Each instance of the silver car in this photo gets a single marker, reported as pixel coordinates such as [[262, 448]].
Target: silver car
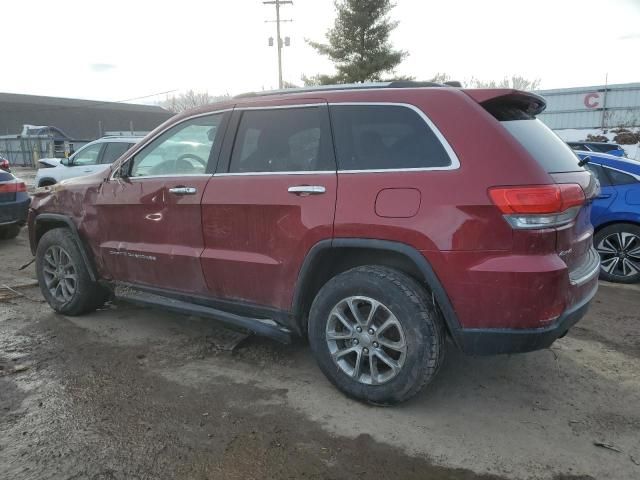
[[91, 158]]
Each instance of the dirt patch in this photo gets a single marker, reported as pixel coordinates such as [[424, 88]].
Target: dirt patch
[[131, 393]]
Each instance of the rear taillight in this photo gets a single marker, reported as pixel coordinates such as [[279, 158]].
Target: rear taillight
[[539, 206], [13, 187], [4, 164]]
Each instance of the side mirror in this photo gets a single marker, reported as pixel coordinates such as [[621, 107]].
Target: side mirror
[[65, 162], [124, 169]]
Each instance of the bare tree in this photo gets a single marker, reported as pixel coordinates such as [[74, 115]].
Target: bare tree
[[190, 99], [515, 81]]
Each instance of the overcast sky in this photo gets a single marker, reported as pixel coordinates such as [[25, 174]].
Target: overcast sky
[[117, 50]]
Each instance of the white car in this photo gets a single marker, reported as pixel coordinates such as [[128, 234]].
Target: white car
[[91, 158]]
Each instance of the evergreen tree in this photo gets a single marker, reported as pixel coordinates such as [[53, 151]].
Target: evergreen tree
[[358, 43]]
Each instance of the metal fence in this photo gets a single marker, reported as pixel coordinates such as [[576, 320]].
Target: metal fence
[[27, 150], [600, 106]]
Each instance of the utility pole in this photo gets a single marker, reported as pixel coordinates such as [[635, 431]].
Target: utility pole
[[277, 3]]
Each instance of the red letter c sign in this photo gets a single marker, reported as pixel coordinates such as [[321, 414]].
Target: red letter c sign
[[591, 100]]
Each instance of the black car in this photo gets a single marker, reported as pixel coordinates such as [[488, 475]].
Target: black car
[[14, 205]]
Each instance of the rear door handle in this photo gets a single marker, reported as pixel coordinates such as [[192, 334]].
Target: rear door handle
[[604, 195], [183, 190], [304, 190]]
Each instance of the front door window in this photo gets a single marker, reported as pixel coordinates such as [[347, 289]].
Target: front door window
[[182, 150]]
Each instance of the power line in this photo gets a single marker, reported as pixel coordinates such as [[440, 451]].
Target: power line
[[277, 3]]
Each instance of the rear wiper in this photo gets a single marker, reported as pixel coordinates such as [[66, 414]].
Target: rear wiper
[[584, 161]]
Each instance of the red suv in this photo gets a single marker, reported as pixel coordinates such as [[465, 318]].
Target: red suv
[[374, 220]]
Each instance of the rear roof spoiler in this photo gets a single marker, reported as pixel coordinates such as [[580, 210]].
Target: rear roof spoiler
[[529, 102]]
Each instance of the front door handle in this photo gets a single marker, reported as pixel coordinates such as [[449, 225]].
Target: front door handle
[[183, 190], [304, 190], [604, 195]]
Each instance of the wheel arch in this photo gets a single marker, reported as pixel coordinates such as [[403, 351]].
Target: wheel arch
[[47, 180], [329, 258], [617, 221], [48, 221]]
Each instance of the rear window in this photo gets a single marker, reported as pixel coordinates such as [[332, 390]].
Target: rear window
[[384, 137], [546, 147]]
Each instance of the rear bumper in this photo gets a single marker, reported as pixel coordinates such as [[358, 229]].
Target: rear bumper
[[15, 212], [493, 341]]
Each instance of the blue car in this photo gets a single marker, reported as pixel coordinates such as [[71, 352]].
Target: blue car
[[14, 205], [615, 215]]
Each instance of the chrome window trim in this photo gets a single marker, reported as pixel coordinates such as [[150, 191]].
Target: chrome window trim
[[637, 177], [169, 127], [455, 162], [290, 172], [142, 177], [319, 103]]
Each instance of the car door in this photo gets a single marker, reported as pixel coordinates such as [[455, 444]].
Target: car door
[[149, 210], [85, 162], [608, 193], [271, 200]]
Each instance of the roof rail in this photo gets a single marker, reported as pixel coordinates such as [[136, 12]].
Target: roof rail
[[350, 86]]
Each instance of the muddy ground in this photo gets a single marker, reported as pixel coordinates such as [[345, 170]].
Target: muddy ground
[[130, 393]]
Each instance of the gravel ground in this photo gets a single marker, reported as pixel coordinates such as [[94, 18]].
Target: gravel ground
[[131, 393]]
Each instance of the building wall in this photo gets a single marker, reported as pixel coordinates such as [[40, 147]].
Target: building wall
[[592, 107]]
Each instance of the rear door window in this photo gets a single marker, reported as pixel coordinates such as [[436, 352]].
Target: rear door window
[[384, 137], [282, 140], [551, 152]]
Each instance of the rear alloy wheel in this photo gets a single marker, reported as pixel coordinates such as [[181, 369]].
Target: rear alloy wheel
[[619, 249], [376, 334], [366, 340]]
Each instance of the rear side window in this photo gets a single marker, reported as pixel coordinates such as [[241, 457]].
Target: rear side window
[[620, 178], [282, 140], [382, 137], [113, 151], [546, 147]]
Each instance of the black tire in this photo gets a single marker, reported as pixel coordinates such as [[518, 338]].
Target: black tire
[[46, 183], [607, 239], [7, 232], [409, 302], [88, 295]]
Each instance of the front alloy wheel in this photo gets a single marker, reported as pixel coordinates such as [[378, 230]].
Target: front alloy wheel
[[59, 272]]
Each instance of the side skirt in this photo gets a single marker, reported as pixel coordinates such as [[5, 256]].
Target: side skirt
[[260, 326]]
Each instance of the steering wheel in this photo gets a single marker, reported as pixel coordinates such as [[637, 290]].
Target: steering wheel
[[191, 156]]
